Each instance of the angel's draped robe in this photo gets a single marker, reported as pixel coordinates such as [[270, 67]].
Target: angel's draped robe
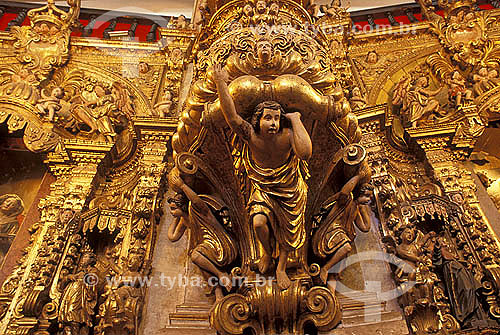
[[280, 194]]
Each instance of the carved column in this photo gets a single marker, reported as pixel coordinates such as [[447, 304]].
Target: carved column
[[481, 247], [25, 294]]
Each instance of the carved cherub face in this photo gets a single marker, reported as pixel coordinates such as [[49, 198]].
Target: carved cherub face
[[422, 82], [143, 67], [261, 6], [356, 92], [408, 235], [270, 121], [372, 57], [88, 259], [364, 199], [248, 10], [135, 260], [66, 216], [58, 93], [176, 54], [365, 195], [274, 9], [175, 210], [264, 51]]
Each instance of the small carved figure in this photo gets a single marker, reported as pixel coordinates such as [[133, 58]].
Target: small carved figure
[[124, 298], [264, 13], [96, 109], [79, 298], [418, 102], [458, 91], [165, 105], [373, 65], [11, 206], [372, 57], [344, 210], [412, 243], [264, 51], [204, 9], [461, 286], [181, 22], [212, 248], [273, 158], [49, 105], [143, 67], [358, 101], [485, 80], [274, 9], [334, 10]]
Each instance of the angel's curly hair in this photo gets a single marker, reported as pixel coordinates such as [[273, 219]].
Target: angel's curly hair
[[259, 111]]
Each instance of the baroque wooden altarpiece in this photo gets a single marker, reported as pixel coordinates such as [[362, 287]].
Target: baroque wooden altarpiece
[[150, 153]]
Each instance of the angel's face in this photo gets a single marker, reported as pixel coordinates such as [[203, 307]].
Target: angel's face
[[264, 51], [57, 93], [372, 57], [408, 235]]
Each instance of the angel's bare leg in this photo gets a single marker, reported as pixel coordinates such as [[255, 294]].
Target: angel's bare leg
[[281, 276], [337, 257], [205, 264], [262, 230]]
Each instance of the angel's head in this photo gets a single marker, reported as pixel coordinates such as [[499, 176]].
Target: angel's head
[[57, 92], [264, 50], [372, 57]]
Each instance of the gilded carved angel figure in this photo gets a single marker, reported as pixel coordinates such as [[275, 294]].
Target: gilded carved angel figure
[[417, 101], [458, 89], [461, 286], [373, 65], [212, 248], [273, 159], [50, 104], [164, 106], [334, 10], [357, 100], [484, 80], [412, 249], [79, 298], [347, 208], [11, 206], [123, 297], [102, 108]]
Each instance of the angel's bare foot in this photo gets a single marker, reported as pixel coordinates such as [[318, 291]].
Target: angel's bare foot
[[282, 278], [264, 263], [323, 275], [225, 281], [332, 285], [218, 294]]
